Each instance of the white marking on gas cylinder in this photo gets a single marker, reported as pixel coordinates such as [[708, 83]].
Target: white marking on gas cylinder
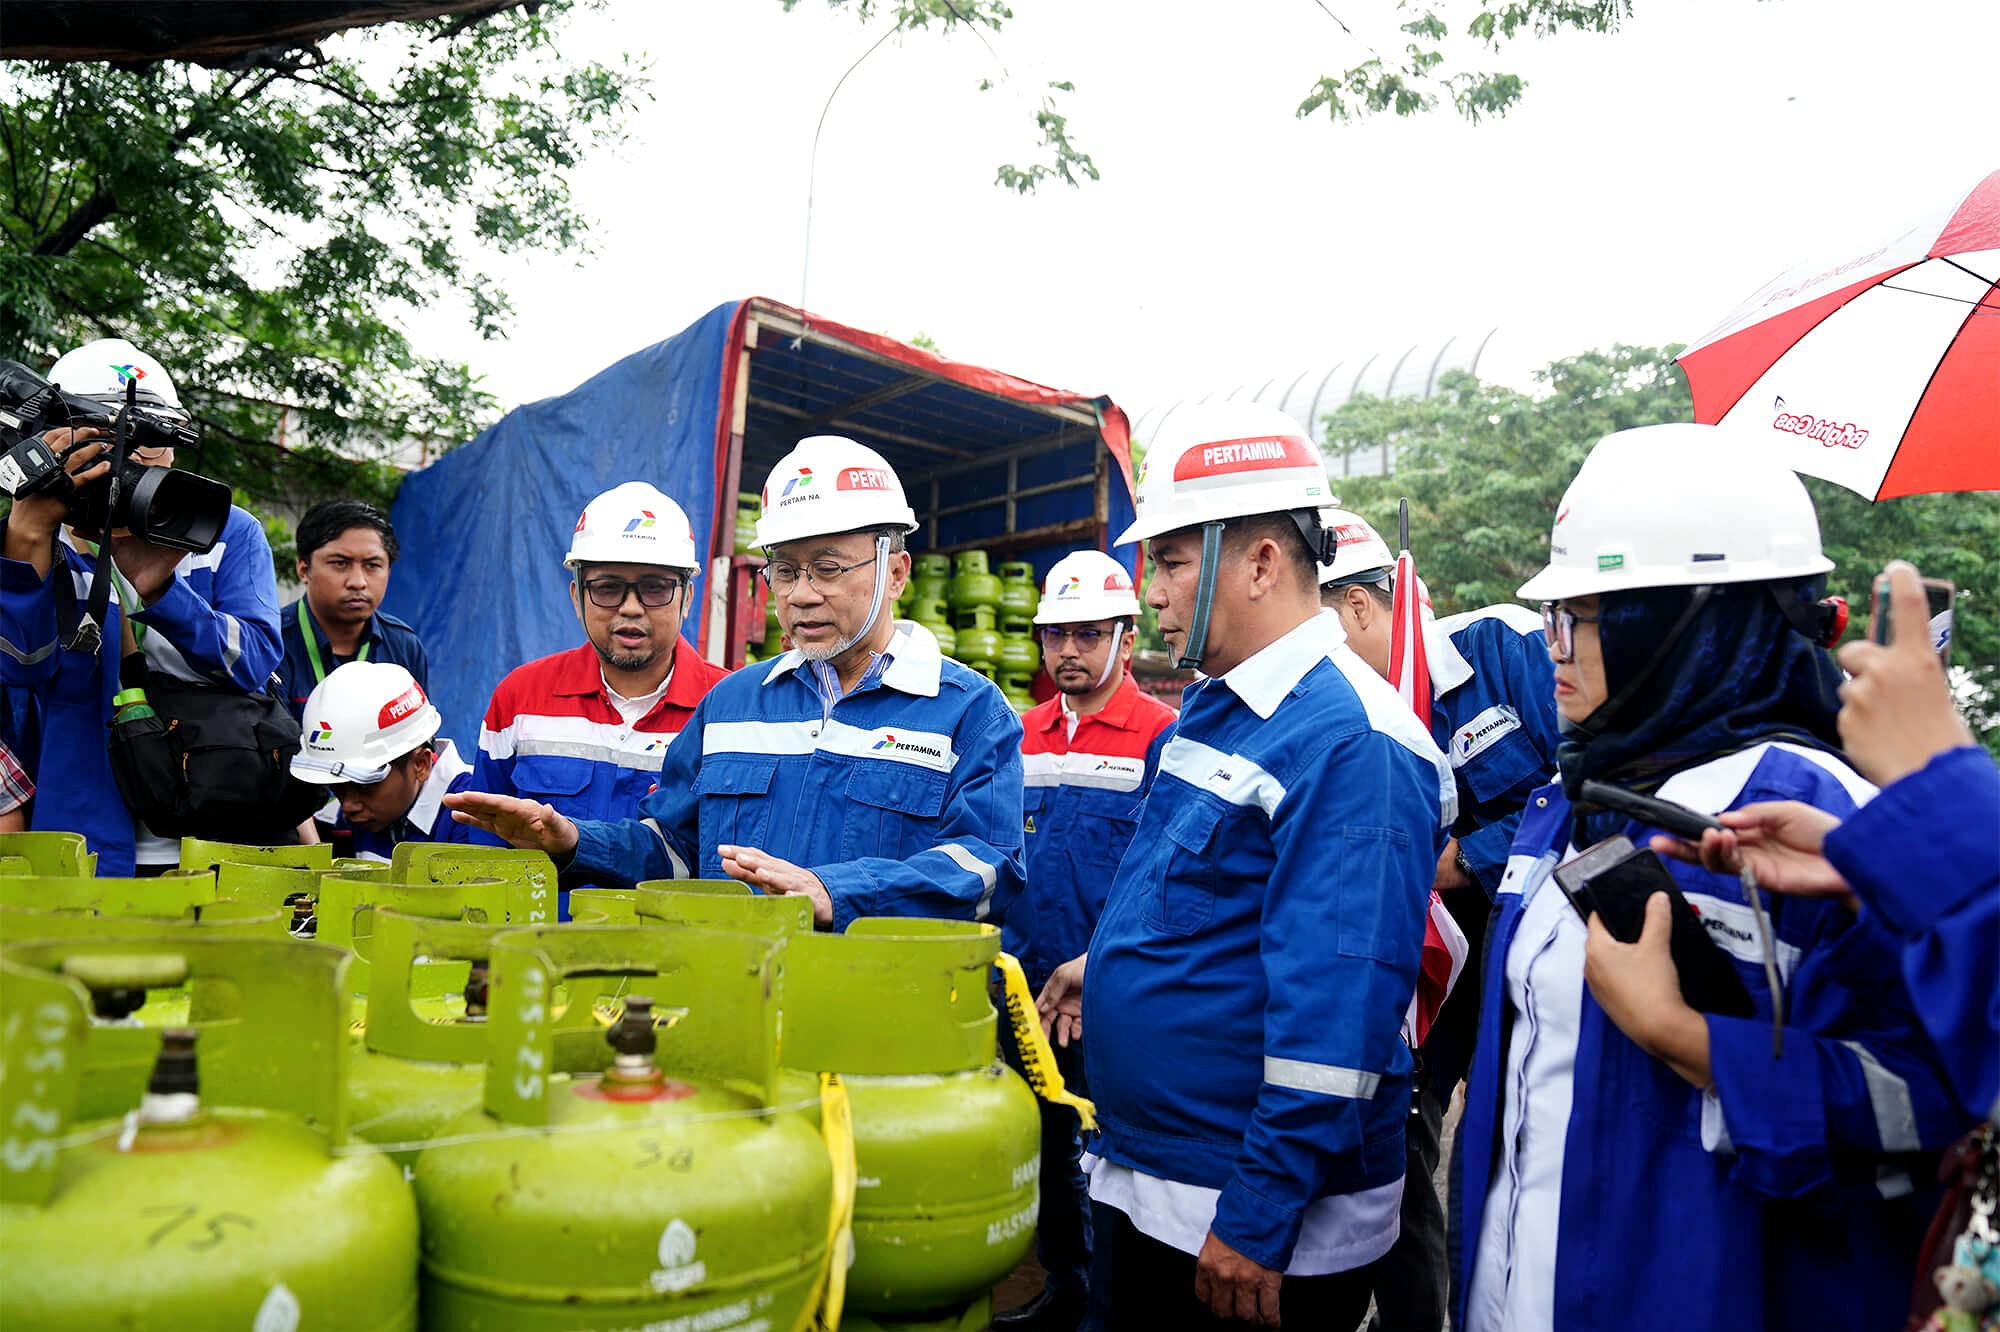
[[678, 1268], [279, 1312]]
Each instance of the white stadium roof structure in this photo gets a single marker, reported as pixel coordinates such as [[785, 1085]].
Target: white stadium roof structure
[[1311, 395]]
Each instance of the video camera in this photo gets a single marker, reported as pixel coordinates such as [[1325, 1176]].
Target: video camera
[[162, 505]]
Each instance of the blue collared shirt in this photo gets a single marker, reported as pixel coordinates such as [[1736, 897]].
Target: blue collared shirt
[[386, 639]]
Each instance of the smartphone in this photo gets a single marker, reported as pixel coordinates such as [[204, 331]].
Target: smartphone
[[1939, 594], [1613, 880]]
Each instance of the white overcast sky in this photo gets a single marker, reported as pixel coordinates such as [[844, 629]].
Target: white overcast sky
[[1648, 181]]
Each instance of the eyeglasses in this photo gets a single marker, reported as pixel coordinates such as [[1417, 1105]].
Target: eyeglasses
[[1559, 624], [610, 593], [822, 574], [1086, 636]]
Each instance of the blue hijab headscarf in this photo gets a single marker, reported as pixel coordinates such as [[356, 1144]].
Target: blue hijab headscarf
[[1738, 675]]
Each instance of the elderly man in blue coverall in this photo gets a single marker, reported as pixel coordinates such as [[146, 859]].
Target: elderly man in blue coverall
[[1493, 713], [1246, 984], [861, 770]]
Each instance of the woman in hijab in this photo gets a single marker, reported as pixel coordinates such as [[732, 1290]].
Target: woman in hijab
[[1628, 1160]]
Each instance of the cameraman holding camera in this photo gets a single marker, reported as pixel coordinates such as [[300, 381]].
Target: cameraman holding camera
[[209, 618]]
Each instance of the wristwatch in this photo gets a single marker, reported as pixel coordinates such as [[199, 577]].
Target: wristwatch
[[1458, 859]]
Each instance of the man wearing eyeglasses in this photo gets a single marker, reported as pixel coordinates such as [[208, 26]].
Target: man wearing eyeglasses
[[860, 770], [584, 731], [1089, 755]]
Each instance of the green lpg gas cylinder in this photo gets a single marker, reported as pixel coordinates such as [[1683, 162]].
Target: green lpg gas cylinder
[[602, 906], [122, 998], [414, 1071], [930, 612], [197, 854], [973, 585], [344, 916], [48, 853], [978, 641], [947, 1140], [231, 1198], [1019, 597], [641, 1182], [1018, 653], [530, 876], [1018, 690], [930, 578], [722, 904], [747, 504]]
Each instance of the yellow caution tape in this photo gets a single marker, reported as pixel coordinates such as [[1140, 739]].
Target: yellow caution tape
[[1037, 1060], [836, 1126]]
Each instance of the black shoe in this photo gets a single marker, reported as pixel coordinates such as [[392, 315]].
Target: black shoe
[[1050, 1311]]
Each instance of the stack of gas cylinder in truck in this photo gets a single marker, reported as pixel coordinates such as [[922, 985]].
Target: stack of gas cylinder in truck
[[981, 615], [273, 1091]]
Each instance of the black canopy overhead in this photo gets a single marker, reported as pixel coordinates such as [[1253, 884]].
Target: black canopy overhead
[[223, 33]]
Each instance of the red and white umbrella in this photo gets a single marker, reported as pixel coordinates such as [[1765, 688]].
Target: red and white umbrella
[[1880, 372], [1445, 945]]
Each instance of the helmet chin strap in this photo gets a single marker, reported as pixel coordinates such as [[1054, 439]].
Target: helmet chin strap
[[1204, 597], [875, 602], [1604, 714], [1111, 661]]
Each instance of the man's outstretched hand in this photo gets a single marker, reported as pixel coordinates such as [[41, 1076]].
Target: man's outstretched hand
[[523, 823], [779, 878]]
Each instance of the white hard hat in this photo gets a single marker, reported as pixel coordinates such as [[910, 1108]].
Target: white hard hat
[[633, 523], [1359, 551], [1677, 505], [1218, 460], [1087, 585], [829, 484], [360, 719], [101, 369]]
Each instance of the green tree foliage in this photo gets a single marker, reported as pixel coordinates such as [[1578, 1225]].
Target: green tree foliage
[[264, 229], [1415, 79], [1484, 466], [1061, 160]]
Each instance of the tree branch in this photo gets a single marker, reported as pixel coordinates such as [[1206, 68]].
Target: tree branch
[[100, 205]]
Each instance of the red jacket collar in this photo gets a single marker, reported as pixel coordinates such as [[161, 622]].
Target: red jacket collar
[[581, 674], [1116, 712]]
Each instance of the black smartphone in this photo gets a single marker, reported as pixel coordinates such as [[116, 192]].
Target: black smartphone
[[1939, 595], [1613, 880]]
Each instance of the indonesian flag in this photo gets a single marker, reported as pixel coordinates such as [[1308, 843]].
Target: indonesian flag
[[1445, 945]]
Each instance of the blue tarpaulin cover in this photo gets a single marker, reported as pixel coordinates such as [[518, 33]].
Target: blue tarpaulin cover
[[484, 529]]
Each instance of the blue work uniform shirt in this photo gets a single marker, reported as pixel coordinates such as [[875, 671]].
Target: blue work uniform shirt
[[385, 639]]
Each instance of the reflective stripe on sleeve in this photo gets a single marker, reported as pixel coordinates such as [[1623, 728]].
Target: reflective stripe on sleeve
[[971, 864], [1324, 1079], [674, 862], [1889, 1096]]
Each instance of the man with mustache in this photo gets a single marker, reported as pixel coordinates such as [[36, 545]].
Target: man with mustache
[[584, 731], [860, 770]]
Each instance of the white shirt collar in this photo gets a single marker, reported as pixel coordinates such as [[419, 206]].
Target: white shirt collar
[[915, 663], [1264, 678], [445, 768], [1448, 666]]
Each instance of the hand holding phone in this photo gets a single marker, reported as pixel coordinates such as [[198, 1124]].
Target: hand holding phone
[[1613, 880], [1885, 625], [1896, 709]]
